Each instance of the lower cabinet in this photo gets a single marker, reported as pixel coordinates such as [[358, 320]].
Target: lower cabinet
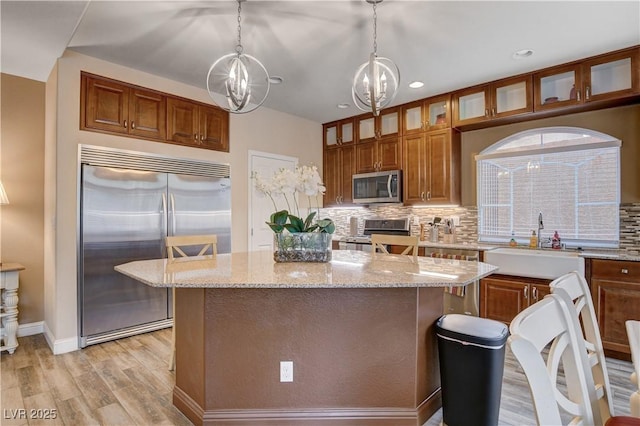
[[615, 290], [502, 297]]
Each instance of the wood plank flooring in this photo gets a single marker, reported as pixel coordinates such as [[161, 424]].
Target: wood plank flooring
[[126, 382]]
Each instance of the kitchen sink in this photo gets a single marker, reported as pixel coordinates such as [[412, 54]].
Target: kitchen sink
[[548, 264]]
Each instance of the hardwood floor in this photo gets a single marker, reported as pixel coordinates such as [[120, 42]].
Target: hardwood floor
[[127, 382]]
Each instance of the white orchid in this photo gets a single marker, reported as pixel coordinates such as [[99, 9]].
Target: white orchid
[[286, 182]]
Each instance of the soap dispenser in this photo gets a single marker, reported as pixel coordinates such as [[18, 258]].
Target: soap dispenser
[[533, 241], [513, 242], [555, 241]]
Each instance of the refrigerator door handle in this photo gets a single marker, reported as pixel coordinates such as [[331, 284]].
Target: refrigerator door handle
[[164, 230], [173, 214]]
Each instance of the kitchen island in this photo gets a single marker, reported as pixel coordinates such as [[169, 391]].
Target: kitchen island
[[359, 332]]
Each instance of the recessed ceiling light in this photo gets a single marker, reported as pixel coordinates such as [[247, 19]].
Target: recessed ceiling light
[[524, 53], [275, 79], [343, 106], [416, 84]]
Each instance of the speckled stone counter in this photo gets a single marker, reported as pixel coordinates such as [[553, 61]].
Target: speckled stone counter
[[348, 268], [360, 332]]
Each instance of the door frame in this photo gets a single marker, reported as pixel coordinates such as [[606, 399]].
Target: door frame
[[250, 156]]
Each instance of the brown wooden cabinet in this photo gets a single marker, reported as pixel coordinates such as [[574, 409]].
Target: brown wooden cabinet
[[339, 167], [615, 290], [499, 99], [426, 115], [379, 155], [606, 77], [192, 123], [502, 297], [114, 107], [111, 106], [339, 133], [370, 128], [431, 171]]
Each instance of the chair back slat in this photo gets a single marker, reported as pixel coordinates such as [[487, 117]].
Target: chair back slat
[[577, 289], [380, 242], [176, 244]]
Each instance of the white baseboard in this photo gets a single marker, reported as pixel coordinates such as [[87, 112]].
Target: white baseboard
[[30, 329], [60, 346]]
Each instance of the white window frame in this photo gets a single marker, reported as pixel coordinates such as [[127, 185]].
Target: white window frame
[[588, 140]]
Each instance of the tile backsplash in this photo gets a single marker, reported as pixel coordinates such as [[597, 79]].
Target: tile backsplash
[[467, 231]]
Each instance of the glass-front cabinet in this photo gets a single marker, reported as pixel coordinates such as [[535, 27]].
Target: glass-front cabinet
[[425, 115], [611, 76], [370, 128], [339, 133], [499, 99]]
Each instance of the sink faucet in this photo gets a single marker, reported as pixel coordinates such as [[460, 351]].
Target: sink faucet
[[540, 228]]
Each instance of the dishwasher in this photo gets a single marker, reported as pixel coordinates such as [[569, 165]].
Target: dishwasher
[[459, 300]]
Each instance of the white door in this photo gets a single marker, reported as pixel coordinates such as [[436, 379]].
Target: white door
[[260, 206]]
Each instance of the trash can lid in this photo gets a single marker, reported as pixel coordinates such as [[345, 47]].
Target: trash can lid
[[466, 328]]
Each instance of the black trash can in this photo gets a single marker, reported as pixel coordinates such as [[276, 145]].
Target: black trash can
[[471, 352]]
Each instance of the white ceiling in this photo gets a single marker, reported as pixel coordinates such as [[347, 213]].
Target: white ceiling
[[316, 46]]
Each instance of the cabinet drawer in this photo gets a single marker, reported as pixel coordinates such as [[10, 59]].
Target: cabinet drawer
[[619, 270]]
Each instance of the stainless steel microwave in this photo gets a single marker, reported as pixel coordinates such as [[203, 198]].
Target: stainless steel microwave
[[377, 187]]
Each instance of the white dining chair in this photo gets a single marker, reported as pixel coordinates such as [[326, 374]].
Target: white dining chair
[[177, 247], [577, 290], [380, 242], [633, 331], [547, 341]]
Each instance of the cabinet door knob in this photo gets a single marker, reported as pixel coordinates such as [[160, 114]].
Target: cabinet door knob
[[133, 125], [486, 112], [429, 195], [624, 271], [587, 93], [422, 195], [535, 293], [493, 112], [526, 292], [201, 138], [125, 124], [578, 96]]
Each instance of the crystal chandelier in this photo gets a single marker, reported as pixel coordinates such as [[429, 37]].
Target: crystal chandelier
[[376, 82], [238, 82]]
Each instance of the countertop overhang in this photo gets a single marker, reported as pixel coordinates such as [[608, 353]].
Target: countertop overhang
[[347, 269]]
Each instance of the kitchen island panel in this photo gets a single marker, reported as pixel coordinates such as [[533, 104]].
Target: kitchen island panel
[[360, 356]]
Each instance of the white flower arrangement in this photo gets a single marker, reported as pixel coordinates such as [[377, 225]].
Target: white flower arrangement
[[289, 183]]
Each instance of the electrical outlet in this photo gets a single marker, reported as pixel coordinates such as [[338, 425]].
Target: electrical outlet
[[416, 220], [286, 371], [455, 220]]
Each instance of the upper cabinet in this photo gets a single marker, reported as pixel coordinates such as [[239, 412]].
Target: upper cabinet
[[606, 77], [425, 115], [339, 133], [197, 124], [370, 127], [503, 98], [114, 107], [111, 106]]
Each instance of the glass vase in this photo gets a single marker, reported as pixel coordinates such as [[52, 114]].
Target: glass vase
[[302, 247]]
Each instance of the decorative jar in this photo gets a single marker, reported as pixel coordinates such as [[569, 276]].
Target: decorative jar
[[302, 247]]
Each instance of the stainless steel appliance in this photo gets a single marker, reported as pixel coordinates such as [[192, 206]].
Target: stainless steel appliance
[[129, 203], [374, 226], [377, 187]]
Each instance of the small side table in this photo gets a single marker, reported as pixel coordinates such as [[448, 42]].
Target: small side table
[[9, 312]]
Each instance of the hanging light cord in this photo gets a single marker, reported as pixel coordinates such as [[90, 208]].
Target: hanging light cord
[[239, 45], [375, 29]]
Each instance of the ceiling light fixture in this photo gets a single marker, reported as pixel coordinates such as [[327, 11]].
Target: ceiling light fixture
[[416, 84], [376, 82], [521, 54], [238, 82]]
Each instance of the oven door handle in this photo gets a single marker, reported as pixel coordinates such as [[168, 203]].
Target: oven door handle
[[389, 186]]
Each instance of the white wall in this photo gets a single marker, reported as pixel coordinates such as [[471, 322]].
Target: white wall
[[263, 130]]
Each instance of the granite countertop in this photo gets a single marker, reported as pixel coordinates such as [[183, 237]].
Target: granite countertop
[[347, 269]]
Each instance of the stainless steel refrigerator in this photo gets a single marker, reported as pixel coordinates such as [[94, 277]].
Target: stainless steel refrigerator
[[126, 215]]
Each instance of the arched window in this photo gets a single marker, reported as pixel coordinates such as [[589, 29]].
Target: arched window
[[570, 175]]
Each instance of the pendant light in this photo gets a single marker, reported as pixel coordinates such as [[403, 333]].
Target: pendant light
[[376, 82], [238, 82]]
